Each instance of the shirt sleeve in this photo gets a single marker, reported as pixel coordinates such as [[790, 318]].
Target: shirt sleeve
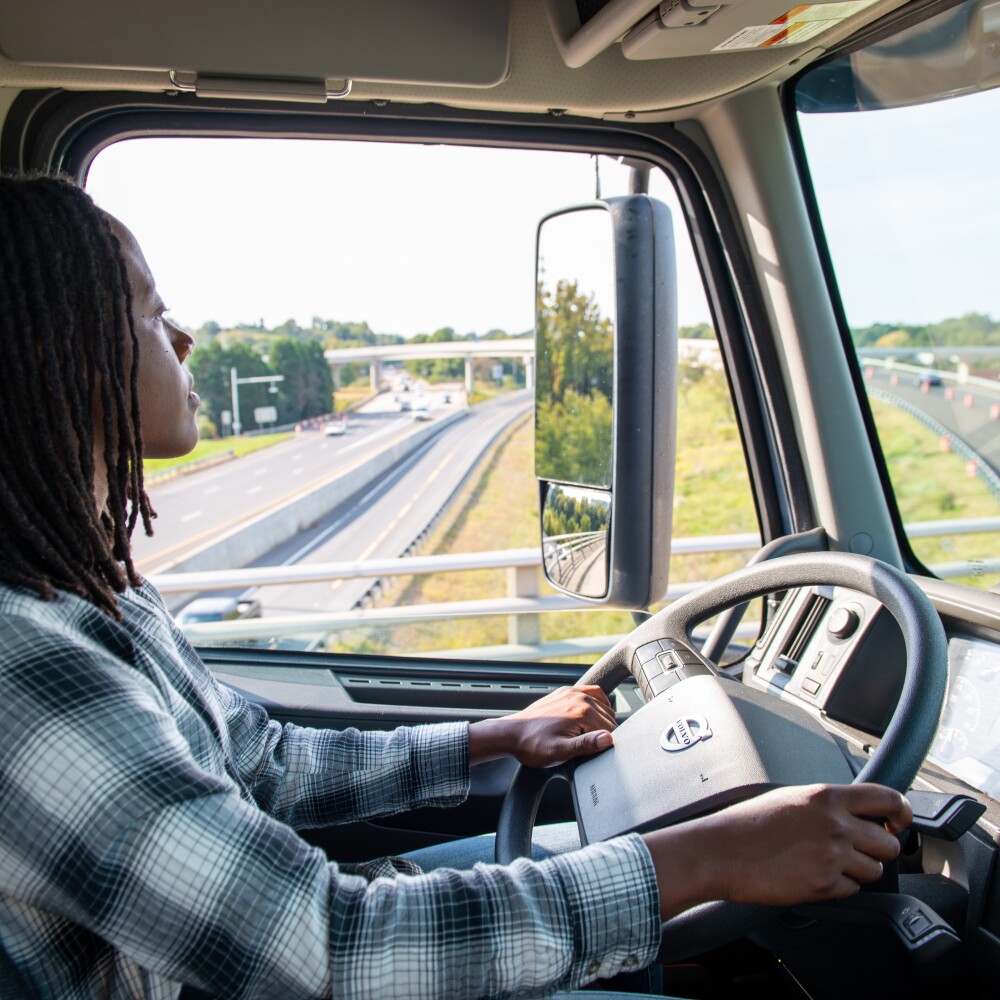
[[120, 831], [316, 777]]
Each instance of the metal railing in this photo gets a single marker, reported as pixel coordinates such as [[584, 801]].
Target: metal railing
[[522, 604]]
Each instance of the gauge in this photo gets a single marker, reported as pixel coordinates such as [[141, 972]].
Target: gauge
[[950, 744], [963, 708]]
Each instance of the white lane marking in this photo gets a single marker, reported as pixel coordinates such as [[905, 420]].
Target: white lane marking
[[191, 516], [213, 489], [254, 489], [375, 435], [405, 509], [261, 472], [298, 471], [379, 487]]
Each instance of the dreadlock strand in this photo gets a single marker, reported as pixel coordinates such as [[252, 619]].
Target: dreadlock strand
[[66, 319]]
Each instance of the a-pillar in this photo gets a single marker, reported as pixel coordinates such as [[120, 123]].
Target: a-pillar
[[375, 373], [468, 376]]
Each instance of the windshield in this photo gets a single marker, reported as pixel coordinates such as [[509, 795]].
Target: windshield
[[903, 151], [363, 318]]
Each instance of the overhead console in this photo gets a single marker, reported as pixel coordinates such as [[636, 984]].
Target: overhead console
[[670, 28], [834, 649]]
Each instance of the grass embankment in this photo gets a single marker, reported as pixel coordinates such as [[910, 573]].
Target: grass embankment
[[497, 508], [931, 484], [210, 448], [351, 396]]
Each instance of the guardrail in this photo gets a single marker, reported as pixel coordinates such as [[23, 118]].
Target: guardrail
[[522, 605]]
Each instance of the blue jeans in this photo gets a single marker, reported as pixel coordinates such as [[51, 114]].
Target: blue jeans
[[463, 854]]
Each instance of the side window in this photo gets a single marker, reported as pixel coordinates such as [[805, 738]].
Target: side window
[[363, 318], [902, 151]]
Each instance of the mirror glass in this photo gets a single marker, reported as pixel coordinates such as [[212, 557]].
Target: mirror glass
[[574, 344], [575, 523]]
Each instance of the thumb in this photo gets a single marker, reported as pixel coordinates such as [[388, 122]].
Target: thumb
[[587, 744]]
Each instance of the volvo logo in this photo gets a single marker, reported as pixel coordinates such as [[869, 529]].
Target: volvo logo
[[684, 733]]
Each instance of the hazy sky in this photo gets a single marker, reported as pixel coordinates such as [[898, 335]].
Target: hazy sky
[[911, 206], [412, 237], [409, 238]]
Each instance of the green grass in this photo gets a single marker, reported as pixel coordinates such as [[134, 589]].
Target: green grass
[[931, 484], [498, 509], [209, 448]]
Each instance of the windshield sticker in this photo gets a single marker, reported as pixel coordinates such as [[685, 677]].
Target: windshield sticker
[[794, 27]]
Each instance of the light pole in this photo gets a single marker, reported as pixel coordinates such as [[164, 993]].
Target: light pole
[[235, 382]]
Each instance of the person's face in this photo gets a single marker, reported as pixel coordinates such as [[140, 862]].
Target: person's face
[[167, 405]]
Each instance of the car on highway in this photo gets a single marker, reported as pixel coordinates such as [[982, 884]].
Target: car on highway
[[697, 218], [335, 428], [218, 609]]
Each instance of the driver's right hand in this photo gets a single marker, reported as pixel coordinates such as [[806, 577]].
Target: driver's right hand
[[791, 845]]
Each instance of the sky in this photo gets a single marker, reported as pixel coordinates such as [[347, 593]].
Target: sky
[[406, 237], [910, 200], [412, 237]]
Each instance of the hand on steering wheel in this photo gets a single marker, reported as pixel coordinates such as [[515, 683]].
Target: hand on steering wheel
[[736, 740]]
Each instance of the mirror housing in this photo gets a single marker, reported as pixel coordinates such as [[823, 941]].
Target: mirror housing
[[633, 483]]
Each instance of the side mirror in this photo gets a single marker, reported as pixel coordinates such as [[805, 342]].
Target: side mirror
[[605, 398]]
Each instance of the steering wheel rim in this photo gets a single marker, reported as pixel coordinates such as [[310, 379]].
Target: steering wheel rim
[[895, 761]]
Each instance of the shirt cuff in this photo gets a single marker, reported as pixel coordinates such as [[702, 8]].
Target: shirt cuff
[[441, 762], [614, 908]]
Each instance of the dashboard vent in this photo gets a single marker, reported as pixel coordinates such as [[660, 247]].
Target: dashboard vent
[[809, 617]]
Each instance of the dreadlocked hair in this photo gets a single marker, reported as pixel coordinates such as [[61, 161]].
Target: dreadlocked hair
[[72, 358]]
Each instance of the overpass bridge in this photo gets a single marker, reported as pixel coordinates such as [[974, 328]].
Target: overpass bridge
[[467, 350], [706, 351]]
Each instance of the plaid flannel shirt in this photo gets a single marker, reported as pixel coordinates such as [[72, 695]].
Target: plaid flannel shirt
[[147, 840]]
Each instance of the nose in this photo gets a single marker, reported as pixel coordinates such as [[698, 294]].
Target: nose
[[183, 343]]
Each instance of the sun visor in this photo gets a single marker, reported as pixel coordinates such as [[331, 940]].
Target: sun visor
[[445, 42]]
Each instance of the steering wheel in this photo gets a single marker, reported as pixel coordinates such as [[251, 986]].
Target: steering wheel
[[703, 741]]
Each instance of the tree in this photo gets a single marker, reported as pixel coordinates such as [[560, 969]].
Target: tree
[[575, 369], [307, 389], [210, 365]]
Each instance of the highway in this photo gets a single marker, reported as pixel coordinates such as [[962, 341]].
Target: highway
[[194, 508], [967, 414], [381, 522]]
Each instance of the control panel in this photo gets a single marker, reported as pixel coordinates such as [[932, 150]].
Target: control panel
[[808, 641]]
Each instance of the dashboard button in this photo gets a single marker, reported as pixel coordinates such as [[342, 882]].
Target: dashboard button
[[842, 623], [810, 685]]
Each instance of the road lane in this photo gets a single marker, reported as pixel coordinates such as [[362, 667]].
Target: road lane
[[390, 516], [968, 414], [194, 508]]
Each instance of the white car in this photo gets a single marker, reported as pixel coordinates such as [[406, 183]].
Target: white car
[[218, 609], [335, 428]]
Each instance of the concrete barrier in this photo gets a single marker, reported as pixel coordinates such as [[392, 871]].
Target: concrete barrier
[[252, 539]]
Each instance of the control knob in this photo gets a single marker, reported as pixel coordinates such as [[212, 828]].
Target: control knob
[[843, 623]]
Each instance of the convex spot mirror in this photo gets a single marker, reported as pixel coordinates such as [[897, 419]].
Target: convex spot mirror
[[605, 398]]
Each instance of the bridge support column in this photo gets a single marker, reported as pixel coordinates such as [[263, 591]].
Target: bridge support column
[[336, 376], [468, 375], [375, 373], [523, 630], [529, 372]]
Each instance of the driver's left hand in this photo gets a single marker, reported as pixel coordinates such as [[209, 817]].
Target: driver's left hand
[[569, 722]]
